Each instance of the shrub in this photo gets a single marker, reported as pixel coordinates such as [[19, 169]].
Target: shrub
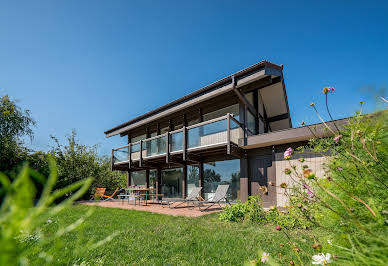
[[234, 213]]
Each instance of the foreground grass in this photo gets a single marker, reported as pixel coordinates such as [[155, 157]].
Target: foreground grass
[[155, 239]]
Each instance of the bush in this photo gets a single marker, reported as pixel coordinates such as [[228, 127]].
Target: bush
[[252, 211]]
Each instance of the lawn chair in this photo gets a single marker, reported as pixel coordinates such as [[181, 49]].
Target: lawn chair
[[100, 192], [194, 196], [111, 196], [219, 196]]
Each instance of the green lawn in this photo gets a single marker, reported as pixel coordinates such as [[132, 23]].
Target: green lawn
[[155, 239]]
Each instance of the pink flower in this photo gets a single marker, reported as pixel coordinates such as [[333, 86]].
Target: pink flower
[[326, 90], [264, 257], [288, 153], [337, 138], [278, 228], [309, 192]]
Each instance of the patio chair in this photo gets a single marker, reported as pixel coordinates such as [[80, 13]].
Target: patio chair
[[98, 194], [111, 196], [194, 196], [219, 195]]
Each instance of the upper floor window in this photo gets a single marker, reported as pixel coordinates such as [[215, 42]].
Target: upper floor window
[[233, 109]]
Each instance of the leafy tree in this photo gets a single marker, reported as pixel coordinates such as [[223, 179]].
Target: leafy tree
[[77, 161], [15, 123]]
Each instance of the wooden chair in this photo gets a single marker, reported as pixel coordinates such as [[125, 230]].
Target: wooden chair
[[100, 192], [111, 196]]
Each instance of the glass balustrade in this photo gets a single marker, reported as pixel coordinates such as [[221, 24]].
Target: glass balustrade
[[154, 146], [204, 135], [236, 132], [135, 151], [121, 155], [177, 141], [208, 134]]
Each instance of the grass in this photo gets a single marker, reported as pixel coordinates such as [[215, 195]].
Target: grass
[[156, 239]]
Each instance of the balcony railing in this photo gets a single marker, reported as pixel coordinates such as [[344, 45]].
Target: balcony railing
[[222, 130]]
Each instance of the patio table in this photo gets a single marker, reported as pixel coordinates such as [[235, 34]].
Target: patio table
[[137, 192]]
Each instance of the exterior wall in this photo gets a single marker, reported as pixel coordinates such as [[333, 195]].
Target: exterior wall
[[267, 164], [314, 161]]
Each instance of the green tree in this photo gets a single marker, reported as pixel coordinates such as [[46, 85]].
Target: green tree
[[77, 161], [15, 124]]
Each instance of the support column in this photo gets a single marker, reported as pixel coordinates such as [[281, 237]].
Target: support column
[[244, 179], [201, 181], [128, 178], [147, 178], [184, 181], [158, 181]]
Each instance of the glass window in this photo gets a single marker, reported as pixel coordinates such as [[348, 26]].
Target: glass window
[[251, 122], [138, 178], [233, 109], [220, 173], [153, 178], [192, 177], [193, 122], [138, 138], [260, 104], [164, 130], [172, 183], [250, 97]]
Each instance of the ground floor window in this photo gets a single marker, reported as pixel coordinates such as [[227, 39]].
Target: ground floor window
[[220, 173], [172, 182], [192, 177], [138, 178], [153, 178]]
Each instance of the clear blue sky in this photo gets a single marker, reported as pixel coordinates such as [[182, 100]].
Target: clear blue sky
[[91, 65]]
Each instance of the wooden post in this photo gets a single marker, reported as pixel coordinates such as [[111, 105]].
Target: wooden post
[[228, 133], [244, 179], [147, 178], [167, 147], [158, 180], [141, 153], [201, 181], [184, 142], [184, 181], [130, 155], [128, 178]]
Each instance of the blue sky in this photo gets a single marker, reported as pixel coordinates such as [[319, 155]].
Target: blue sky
[[91, 65]]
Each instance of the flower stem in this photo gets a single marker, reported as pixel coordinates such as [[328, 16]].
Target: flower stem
[[327, 108]]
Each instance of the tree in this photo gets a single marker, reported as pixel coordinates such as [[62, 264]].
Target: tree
[[77, 161], [15, 123]]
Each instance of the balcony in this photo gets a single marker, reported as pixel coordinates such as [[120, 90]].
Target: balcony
[[216, 137]]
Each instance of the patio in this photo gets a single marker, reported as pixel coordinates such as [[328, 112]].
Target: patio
[[182, 210]]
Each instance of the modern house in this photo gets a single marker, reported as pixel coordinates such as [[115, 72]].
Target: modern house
[[233, 131]]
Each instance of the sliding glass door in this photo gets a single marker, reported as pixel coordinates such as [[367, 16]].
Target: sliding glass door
[[172, 183]]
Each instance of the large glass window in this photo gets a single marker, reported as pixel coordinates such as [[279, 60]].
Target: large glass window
[[138, 138], [192, 177], [138, 178], [233, 109], [153, 178], [172, 183], [251, 122], [220, 173]]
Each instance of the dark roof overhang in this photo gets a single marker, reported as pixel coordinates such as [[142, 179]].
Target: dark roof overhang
[[242, 77], [292, 135]]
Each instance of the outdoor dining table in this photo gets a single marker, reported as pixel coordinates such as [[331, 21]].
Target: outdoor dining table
[[137, 192]]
